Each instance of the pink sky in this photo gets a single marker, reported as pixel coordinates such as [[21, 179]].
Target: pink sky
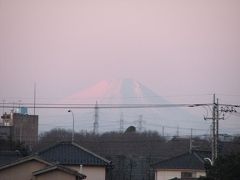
[[174, 47]]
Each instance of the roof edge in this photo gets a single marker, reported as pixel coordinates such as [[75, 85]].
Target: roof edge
[[25, 159], [88, 151], [178, 169], [59, 167]]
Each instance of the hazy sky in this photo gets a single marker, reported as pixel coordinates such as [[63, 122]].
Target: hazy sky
[[174, 47]]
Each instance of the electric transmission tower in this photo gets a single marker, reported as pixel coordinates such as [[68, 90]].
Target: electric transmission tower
[[177, 131], [140, 123], [121, 123]]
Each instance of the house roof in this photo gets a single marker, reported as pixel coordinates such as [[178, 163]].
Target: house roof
[[70, 153], [7, 157], [194, 160], [23, 160], [60, 168]]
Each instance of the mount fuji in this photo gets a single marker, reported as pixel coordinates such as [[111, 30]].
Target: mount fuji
[[128, 91], [124, 91]]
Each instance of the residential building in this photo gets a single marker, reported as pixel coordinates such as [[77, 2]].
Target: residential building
[[62, 161], [19, 127], [76, 157], [188, 165], [6, 133], [34, 168]]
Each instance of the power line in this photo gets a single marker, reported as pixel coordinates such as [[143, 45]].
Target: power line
[[103, 106], [126, 97]]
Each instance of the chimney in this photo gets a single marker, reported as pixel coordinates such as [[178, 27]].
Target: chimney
[[81, 169]]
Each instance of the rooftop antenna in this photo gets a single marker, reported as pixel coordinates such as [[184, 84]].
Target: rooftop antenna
[[34, 100], [13, 107], [19, 106], [19, 103], [3, 102]]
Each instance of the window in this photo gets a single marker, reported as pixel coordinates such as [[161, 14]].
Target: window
[[186, 174]]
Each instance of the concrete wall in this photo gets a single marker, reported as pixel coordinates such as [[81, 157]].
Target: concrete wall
[[25, 128], [5, 132], [92, 172], [56, 174], [21, 171], [168, 174], [203, 173]]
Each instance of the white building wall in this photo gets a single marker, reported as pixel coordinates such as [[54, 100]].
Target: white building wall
[[168, 174], [201, 173], [92, 172]]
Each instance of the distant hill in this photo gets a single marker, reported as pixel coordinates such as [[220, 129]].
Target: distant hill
[[128, 91]]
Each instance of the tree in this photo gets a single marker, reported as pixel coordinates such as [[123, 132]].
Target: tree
[[225, 168], [131, 129]]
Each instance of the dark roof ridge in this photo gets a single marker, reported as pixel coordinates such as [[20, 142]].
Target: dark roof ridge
[[51, 146], [48, 147]]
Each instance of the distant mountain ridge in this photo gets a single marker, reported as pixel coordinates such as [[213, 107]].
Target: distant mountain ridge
[[116, 91], [128, 91]]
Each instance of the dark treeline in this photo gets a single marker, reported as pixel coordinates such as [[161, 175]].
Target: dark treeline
[[131, 153]]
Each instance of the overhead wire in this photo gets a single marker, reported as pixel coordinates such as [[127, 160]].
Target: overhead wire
[[103, 106]]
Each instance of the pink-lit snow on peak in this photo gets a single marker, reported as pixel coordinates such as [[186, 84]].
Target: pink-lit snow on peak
[[113, 91], [93, 92]]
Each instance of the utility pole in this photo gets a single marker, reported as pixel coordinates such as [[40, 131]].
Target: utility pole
[[215, 128], [213, 133], [95, 124], [190, 142], [121, 123], [72, 124]]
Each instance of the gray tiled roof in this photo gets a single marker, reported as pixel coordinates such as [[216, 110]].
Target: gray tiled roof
[[194, 160], [7, 157], [68, 153]]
